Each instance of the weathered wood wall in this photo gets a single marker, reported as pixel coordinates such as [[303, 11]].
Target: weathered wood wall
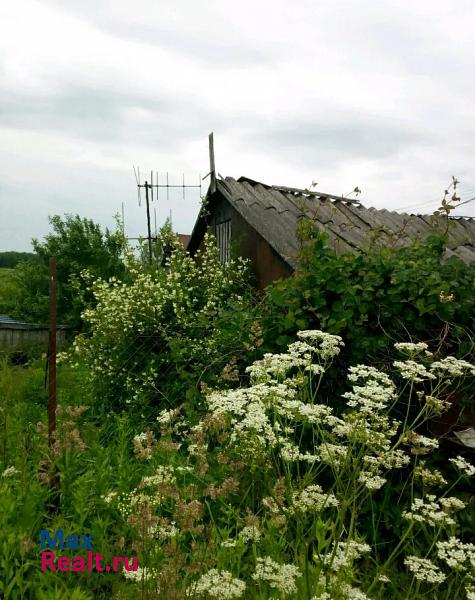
[[266, 265], [15, 336]]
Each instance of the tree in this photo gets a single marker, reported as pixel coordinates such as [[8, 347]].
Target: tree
[[78, 244], [10, 259]]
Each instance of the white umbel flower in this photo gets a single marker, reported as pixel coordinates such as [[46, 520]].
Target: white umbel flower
[[279, 577], [219, 585], [456, 554], [463, 465], [411, 348], [10, 472], [413, 371], [424, 569], [312, 499]]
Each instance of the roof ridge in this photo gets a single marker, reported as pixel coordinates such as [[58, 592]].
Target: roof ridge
[[297, 191]]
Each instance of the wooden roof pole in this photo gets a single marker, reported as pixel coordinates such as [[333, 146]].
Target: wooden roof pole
[[212, 168]]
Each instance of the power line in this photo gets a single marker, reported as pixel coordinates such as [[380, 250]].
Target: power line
[[422, 204], [466, 202]]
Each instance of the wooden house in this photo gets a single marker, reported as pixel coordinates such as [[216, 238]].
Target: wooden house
[[260, 222]]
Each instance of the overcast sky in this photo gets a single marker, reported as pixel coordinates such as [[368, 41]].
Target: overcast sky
[[375, 94]]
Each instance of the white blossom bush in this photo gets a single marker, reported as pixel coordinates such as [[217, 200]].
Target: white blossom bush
[[276, 494], [155, 338]]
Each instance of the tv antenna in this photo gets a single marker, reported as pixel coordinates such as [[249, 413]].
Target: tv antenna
[[151, 193]]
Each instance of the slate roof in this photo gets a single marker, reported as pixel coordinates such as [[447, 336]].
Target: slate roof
[[7, 322], [274, 212], [6, 319]]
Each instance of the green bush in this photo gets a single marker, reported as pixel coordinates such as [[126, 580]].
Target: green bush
[[376, 298]]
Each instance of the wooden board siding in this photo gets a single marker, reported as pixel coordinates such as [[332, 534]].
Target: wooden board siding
[[14, 337], [265, 263]]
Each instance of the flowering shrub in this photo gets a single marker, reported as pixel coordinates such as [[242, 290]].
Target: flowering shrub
[[156, 338], [276, 494]]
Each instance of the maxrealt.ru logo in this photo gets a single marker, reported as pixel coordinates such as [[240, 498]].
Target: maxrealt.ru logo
[[82, 542]]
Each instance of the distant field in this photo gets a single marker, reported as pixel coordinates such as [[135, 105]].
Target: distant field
[[7, 289], [5, 273]]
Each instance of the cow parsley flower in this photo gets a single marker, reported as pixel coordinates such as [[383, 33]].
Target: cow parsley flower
[[421, 444], [312, 499], [164, 531], [314, 413], [463, 465], [424, 569], [10, 472], [353, 593], [395, 459], [220, 585], [413, 371], [411, 348], [364, 372], [432, 511], [470, 592], [345, 554], [250, 533], [315, 369], [456, 554], [437, 406], [279, 577], [452, 367], [140, 574], [371, 397], [429, 476], [166, 416], [288, 451], [110, 497], [452, 503], [332, 454], [371, 481], [164, 475], [273, 366], [325, 345]]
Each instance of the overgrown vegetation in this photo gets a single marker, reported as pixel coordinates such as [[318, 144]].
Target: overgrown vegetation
[[240, 451], [78, 244], [164, 333], [10, 259], [379, 297], [8, 291]]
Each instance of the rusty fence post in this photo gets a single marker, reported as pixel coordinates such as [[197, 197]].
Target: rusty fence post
[[52, 397], [52, 400]]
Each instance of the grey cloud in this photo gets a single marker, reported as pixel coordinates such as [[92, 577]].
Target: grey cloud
[[198, 47], [102, 115], [328, 140], [233, 51]]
